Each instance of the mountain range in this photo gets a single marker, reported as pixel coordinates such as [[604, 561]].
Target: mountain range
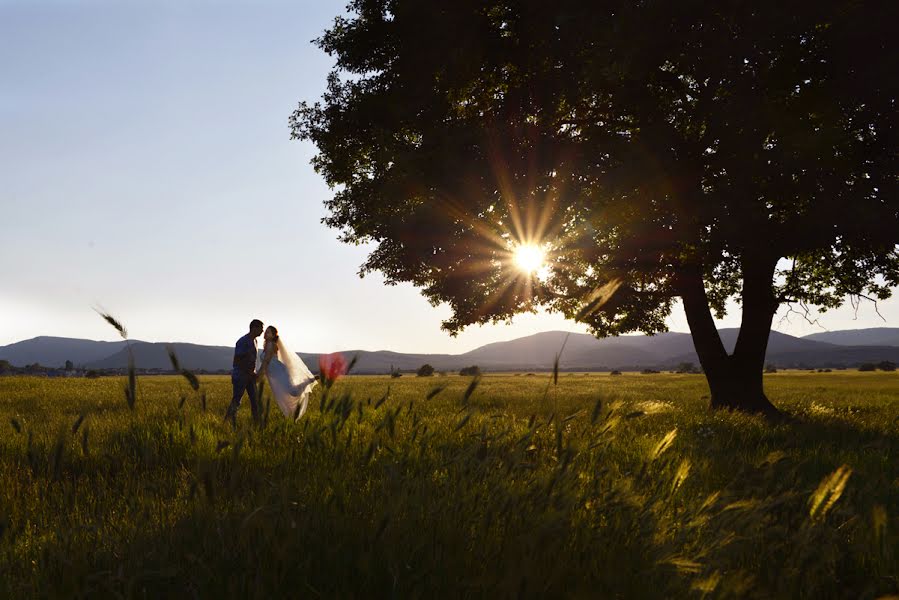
[[581, 352]]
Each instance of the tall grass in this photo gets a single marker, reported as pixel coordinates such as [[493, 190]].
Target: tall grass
[[498, 486]]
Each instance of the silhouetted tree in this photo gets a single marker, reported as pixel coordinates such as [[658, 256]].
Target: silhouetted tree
[[471, 371], [886, 365], [658, 150], [425, 370]]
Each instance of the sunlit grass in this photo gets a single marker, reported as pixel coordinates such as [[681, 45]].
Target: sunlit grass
[[601, 487]]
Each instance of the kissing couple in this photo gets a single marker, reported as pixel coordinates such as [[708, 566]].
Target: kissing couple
[[288, 377]]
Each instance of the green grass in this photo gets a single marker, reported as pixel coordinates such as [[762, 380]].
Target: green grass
[[520, 488]]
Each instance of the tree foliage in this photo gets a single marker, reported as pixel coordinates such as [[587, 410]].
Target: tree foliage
[[656, 150]]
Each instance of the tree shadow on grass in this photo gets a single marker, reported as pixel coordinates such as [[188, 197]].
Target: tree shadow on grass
[[400, 527]]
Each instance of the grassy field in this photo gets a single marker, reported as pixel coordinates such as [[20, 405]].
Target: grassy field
[[597, 486]]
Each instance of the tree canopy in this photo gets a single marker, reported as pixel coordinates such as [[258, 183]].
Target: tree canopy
[[653, 150]]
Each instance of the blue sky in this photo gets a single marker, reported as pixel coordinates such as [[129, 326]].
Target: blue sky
[[146, 168]]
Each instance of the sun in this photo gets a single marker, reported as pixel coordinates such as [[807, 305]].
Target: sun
[[529, 257]]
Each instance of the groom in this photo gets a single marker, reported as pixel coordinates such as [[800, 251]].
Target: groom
[[243, 373]]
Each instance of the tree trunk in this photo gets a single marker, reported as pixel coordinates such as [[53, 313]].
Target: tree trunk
[[735, 380]]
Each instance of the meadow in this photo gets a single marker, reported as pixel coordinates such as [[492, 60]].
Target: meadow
[[509, 485]]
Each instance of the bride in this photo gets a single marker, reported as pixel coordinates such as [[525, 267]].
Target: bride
[[290, 380]]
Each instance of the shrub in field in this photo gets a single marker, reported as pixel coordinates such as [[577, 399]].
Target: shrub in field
[[867, 367], [769, 368], [425, 370], [886, 365], [471, 371], [616, 372]]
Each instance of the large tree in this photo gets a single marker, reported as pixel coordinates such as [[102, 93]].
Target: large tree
[[654, 149]]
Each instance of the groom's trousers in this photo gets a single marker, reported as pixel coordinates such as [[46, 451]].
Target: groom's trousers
[[242, 382]]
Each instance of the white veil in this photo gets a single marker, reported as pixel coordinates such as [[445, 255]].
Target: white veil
[[291, 381]]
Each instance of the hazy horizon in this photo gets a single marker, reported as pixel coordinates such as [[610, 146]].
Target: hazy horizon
[[148, 170]]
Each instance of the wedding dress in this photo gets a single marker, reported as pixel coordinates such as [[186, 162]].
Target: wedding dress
[[289, 378]]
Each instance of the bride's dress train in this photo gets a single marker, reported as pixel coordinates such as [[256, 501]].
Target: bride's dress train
[[290, 380]]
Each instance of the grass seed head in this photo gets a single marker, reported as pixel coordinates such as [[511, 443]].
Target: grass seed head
[[470, 389], [681, 474], [664, 443], [435, 390], [114, 322], [828, 492]]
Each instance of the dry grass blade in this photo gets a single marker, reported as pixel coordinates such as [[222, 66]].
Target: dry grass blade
[[707, 585], [173, 358], [664, 443], [369, 452], [436, 390], [382, 399], [829, 491], [131, 390], [462, 423], [741, 505], [556, 361], [597, 409], [176, 365], [573, 415], [681, 474], [78, 423], [470, 389], [684, 565], [597, 299], [611, 424], [710, 501], [114, 322], [56, 456], [191, 379]]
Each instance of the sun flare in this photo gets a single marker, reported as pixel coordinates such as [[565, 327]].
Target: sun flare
[[529, 257]]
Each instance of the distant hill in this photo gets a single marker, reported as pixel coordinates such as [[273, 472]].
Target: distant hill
[[55, 351], [531, 353], [877, 336], [664, 350], [149, 355]]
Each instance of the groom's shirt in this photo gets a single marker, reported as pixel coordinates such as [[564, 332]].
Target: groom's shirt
[[244, 356]]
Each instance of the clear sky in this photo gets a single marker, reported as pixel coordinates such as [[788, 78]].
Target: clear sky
[[146, 168]]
